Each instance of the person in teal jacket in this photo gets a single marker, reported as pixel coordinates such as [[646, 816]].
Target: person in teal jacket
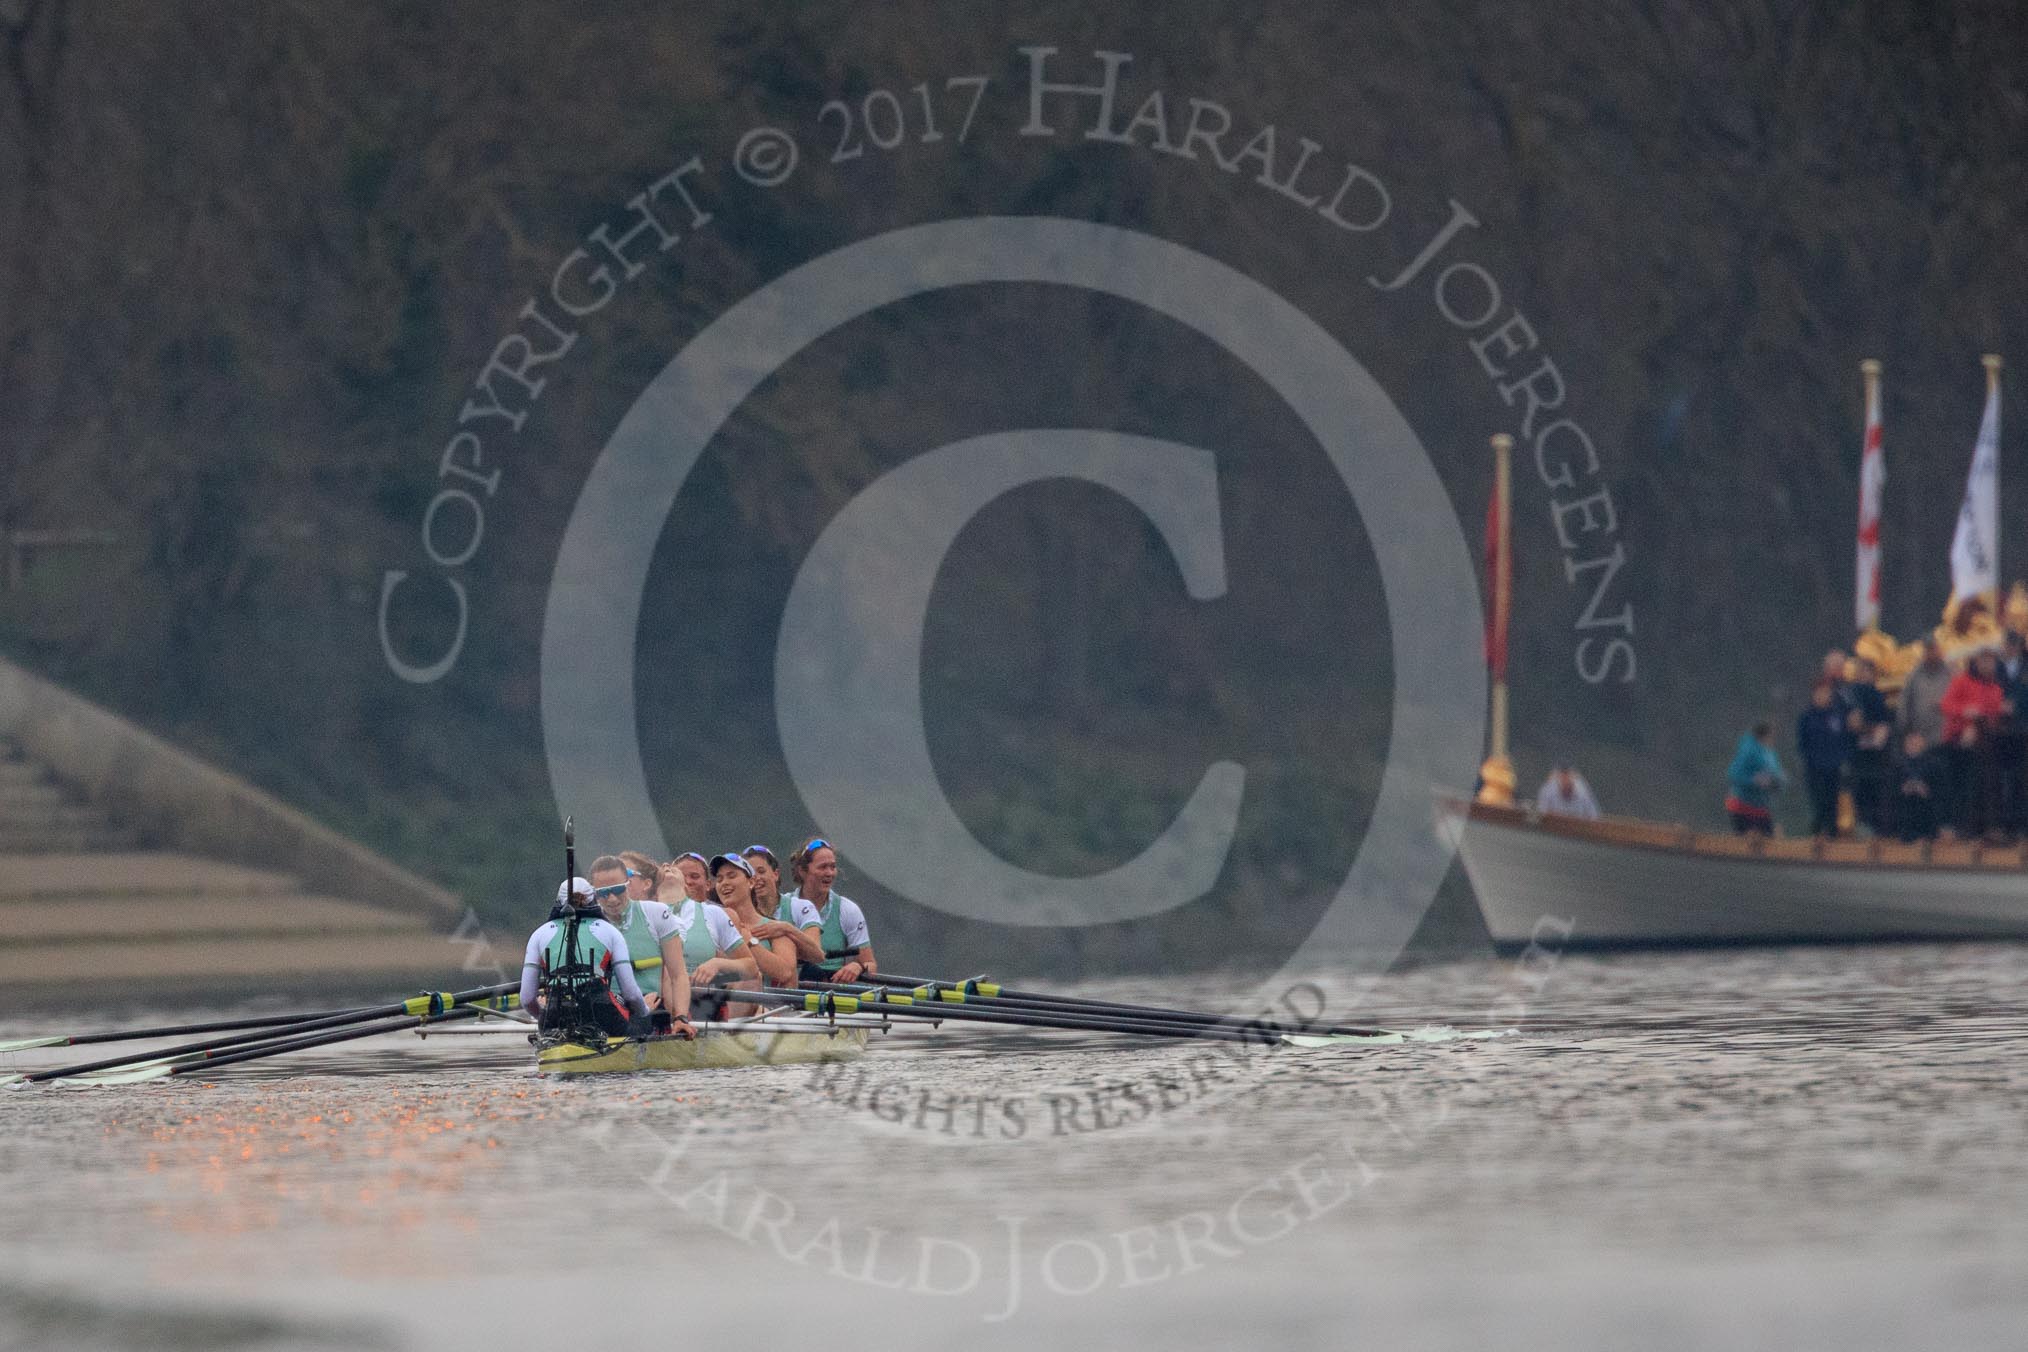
[[1752, 780]]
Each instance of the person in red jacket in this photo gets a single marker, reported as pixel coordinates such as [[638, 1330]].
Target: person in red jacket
[[1974, 704]]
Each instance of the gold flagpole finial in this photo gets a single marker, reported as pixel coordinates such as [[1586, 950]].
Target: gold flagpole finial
[[1870, 368]]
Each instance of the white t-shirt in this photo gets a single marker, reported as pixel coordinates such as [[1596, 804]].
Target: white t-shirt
[[723, 936], [802, 913], [850, 918], [600, 930], [853, 921], [661, 919]]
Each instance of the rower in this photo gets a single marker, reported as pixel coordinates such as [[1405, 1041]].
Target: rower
[[840, 924], [696, 874], [712, 948], [624, 887], [576, 976], [790, 917], [732, 877]]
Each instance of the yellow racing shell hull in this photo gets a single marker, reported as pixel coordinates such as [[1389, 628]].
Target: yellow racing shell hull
[[714, 1048]]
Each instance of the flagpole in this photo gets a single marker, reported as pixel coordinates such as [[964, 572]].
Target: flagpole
[[1872, 472], [1497, 780], [1991, 361]]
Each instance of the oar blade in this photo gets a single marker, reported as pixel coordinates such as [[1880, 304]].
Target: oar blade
[[31, 1043], [135, 1075], [1424, 1034], [103, 1075]]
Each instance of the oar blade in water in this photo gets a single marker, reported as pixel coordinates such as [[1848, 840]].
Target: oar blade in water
[[1311, 1041], [155, 1070]]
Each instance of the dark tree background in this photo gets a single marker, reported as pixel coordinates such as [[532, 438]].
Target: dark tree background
[[251, 257]]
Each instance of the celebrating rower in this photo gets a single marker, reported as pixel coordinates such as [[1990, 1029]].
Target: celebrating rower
[[840, 924], [732, 876], [790, 917], [624, 886], [577, 972], [712, 948], [695, 874]]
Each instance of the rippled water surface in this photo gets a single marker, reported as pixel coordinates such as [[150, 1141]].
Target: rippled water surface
[[1810, 1148]]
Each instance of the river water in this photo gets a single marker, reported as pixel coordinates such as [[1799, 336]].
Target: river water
[[1795, 1149]]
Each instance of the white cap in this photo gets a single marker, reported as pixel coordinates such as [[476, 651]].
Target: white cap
[[579, 886], [735, 860]]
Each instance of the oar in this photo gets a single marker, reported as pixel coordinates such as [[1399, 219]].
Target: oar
[[416, 1016], [428, 1004], [1043, 1016], [964, 992], [162, 1070], [888, 1001], [174, 1030], [842, 1001]]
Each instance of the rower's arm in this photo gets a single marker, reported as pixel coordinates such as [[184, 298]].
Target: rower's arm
[[529, 998], [675, 979], [809, 943], [778, 967], [854, 922], [734, 961], [630, 989]]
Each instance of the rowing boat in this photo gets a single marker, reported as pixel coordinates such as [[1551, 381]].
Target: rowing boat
[[714, 1048], [1621, 883]]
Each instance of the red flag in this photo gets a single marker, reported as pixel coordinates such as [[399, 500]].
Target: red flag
[[1498, 591]]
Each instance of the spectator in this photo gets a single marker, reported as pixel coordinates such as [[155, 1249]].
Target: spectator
[[1918, 784], [2010, 740], [1565, 794], [1922, 695], [1837, 670], [1824, 743], [1872, 727], [1753, 778], [2013, 659], [1973, 705]]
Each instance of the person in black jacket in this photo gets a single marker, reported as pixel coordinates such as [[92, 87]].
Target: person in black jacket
[[1825, 743], [1918, 783], [1871, 724], [2010, 742]]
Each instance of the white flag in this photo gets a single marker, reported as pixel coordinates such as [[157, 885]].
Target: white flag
[[1872, 479], [1975, 550]]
